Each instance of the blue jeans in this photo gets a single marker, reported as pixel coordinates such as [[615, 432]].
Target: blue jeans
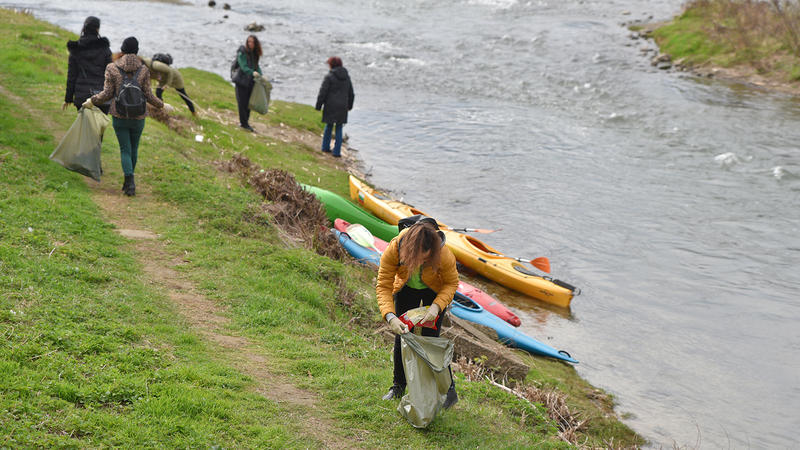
[[326, 139], [128, 132]]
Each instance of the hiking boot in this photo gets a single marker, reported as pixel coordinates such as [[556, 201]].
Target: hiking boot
[[248, 128], [452, 397], [126, 183], [130, 190], [395, 391]]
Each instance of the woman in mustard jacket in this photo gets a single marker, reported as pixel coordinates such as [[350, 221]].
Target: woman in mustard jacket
[[416, 269]]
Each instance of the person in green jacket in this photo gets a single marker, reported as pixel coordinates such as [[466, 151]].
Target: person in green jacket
[[168, 76], [247, 58]]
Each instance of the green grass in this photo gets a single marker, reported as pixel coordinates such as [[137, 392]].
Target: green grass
[[687, 37], [93, 353], [727, 33]]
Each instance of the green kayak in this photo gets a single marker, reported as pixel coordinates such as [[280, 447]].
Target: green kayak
[[338, 207]]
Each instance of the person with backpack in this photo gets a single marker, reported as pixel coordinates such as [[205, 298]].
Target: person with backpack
[[161, 69], [243, 71], [127, 81], [336, 97], [416, 269], [88, 58]]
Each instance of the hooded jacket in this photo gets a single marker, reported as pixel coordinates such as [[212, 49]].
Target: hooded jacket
[[393, 275], [88, 58], [336, 96], [166, 75], [113, 80]]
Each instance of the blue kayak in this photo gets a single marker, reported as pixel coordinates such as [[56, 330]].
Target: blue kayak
[[465, 308], [362, 254]]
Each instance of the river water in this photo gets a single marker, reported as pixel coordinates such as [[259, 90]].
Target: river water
[[672, 201]]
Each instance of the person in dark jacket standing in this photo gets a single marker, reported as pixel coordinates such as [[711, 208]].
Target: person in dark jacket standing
[[247, 58], [335, 99], [128, 129], [88, 58]]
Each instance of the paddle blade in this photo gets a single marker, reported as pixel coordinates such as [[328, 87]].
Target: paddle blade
[[542, 264], [483, 230]]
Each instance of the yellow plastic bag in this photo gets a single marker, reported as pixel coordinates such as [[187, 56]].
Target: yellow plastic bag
[[259, 98], [79, 150]]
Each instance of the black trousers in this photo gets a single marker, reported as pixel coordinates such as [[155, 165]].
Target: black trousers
[[243, 92], [184, 96], [404, 300]]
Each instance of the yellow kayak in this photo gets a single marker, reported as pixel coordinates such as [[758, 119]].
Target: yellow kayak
[[470, 251]]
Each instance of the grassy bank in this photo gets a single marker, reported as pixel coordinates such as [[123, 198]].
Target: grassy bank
[[758, 37], [213, 329]]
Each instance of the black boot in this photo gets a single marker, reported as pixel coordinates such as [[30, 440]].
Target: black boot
[[396, 391], [126, 183], [130, 190]]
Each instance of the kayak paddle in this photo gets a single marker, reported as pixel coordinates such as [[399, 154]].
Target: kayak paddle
[[470, 230], [540, 263]]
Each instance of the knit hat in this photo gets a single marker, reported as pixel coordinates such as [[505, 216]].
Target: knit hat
[[130, 45], [91, 25]]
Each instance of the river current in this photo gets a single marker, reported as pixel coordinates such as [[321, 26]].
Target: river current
[[672, 201]]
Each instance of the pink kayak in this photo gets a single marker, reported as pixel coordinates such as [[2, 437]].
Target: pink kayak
[[480, 297], [488, 303]]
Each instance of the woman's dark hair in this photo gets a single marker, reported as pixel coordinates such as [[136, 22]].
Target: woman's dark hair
[[91, 26], [334, 61], [421, 244], [256, 45]]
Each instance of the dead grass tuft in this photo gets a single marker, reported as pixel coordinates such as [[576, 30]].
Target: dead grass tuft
[[569, 424], [297, 214], [179, 124]]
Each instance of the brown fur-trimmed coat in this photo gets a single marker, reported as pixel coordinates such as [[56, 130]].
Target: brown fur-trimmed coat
[[113, 81]]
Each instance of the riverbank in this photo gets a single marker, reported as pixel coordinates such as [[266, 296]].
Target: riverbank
[[183, 317], [754, 43]]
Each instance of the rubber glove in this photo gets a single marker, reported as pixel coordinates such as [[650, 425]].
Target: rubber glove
[[88, 104], [432, 314], [397, 326], [168, 108]]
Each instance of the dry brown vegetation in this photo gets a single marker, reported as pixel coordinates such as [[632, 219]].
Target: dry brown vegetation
[[569, 424], [754, 29], [298, 215]]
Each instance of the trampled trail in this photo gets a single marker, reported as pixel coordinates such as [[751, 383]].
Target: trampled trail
[[206, 317]]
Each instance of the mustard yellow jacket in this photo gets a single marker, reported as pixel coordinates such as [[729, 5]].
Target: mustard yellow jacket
[[393, 275]]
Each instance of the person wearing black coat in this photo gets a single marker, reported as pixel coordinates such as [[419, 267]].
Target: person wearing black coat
[[336, 97], [88, 58]]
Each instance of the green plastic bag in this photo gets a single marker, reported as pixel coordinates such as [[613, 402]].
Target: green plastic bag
[[426, 361], [259, 98], [79, 150]]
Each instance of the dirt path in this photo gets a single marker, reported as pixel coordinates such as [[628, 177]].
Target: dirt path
[[206, 317]]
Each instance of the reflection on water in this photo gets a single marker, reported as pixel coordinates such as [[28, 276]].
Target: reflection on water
[[671, 201]]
